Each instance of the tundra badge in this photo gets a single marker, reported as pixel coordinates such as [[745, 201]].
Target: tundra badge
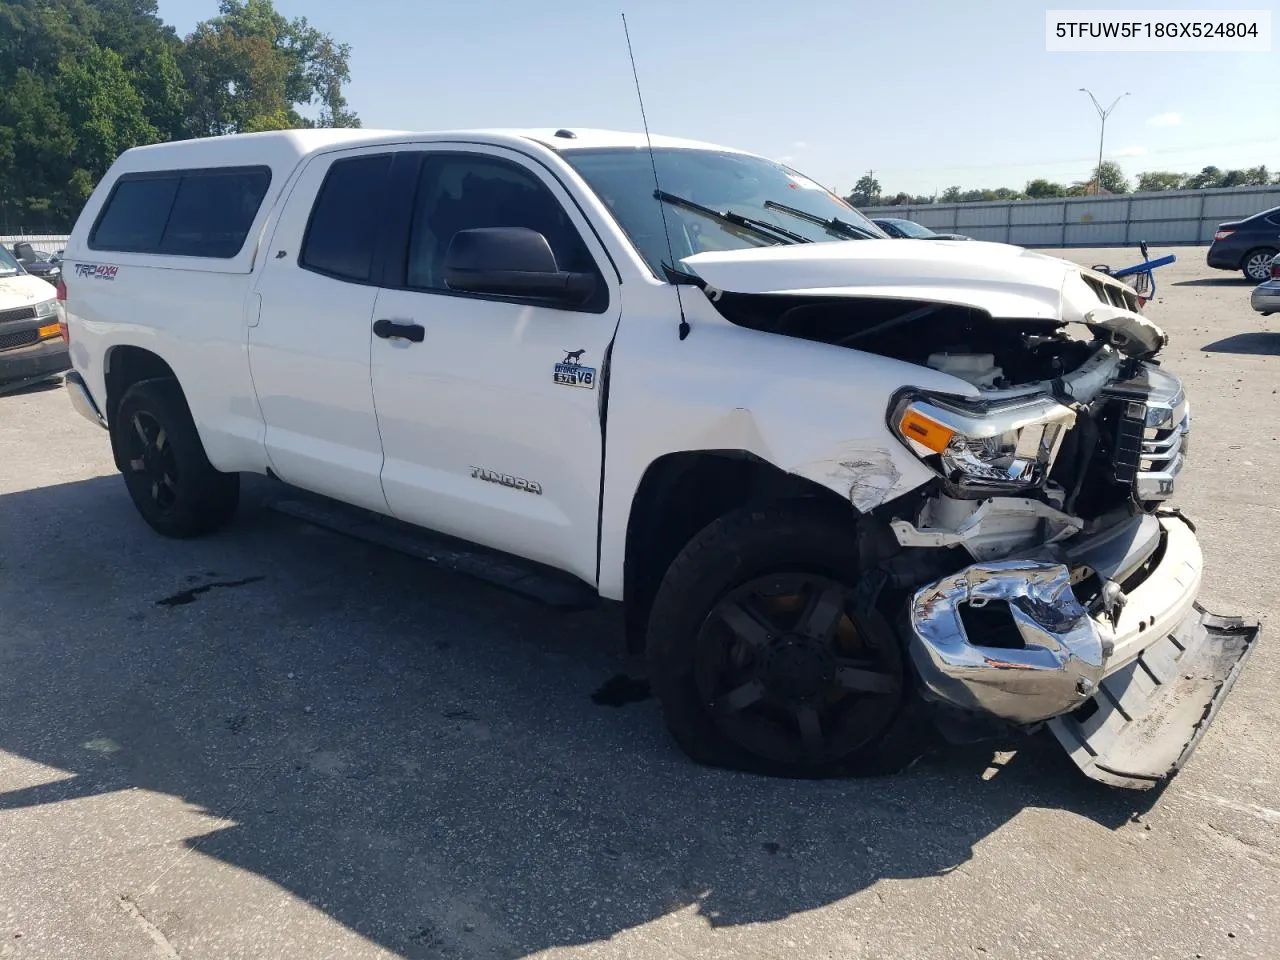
[[506, 480]]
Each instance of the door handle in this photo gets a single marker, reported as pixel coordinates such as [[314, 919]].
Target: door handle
[[390, 329]]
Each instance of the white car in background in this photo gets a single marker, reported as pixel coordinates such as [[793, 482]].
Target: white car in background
[[31, 344]]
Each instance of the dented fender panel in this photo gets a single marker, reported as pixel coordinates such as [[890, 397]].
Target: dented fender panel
[[863, 472]]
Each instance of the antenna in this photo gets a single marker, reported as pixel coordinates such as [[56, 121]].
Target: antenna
[[662, 204]]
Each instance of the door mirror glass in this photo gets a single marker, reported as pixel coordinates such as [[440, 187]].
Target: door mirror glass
[[512, 262]]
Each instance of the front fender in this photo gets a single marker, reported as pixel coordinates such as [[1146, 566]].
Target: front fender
[[811, 409]]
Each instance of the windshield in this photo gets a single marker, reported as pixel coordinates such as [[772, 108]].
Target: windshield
[[743, 186], [913, 229], [8, 265]]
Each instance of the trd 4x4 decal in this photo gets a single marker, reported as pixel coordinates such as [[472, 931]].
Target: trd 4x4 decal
[[98, 271]]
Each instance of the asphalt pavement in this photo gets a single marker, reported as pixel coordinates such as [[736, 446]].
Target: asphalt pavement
[[277, 742]]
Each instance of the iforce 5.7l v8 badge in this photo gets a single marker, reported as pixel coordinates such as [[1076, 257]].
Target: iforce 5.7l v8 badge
[[570, 372]]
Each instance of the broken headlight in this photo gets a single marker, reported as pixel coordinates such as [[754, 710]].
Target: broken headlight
[[983, 448]]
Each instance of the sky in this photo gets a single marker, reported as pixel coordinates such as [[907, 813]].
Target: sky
[[924, 93]]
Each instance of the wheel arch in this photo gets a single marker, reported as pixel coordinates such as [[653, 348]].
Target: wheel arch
[[123, 366], [681, 493]]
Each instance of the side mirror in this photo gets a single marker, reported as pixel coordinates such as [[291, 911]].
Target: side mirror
[[512, 262]]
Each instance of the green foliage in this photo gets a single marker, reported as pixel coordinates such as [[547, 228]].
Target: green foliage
[[1043, 189], [866, 192], [1208, 177], [81, 81], [1154, 180], [1113, 181]]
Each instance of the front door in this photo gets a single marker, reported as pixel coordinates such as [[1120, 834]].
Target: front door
[[491, 421]]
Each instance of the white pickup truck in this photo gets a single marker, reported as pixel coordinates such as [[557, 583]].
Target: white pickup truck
[[831, 475]]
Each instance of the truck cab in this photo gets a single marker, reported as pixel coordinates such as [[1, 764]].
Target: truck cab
[[830, 476]]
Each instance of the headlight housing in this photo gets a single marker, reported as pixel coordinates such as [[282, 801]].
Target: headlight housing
[[983, 448], [47, 308]]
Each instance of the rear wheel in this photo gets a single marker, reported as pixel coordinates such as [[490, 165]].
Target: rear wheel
[[169, 478], [1256, 264], [766, 651]]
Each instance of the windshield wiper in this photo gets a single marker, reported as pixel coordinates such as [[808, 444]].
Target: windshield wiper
[[760, 227], [835, 225]]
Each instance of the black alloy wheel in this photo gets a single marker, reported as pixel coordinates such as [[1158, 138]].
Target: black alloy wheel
[[790, 673]]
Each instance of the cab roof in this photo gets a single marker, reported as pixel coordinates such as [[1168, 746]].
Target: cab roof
[[281, 149]]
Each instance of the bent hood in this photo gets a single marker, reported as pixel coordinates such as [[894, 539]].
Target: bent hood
[[1005, 281]]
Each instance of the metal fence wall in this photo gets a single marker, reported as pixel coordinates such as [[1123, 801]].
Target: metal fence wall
[[46, 242], [1169, 217]]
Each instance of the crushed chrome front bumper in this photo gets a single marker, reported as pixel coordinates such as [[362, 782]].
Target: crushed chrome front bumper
[[1130, 697]]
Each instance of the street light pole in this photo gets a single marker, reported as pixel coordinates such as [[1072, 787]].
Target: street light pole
[[1102, 115]]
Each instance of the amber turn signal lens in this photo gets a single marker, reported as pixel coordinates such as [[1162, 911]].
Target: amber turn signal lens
[[929, 433]]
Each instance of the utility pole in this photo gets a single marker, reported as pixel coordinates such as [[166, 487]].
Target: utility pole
[[1102, 115]]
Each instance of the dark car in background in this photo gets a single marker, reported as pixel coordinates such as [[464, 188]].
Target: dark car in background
[[910, 230], [37, 263], [1247, 245]]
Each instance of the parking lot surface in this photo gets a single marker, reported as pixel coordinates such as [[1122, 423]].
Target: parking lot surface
[[277, 742]]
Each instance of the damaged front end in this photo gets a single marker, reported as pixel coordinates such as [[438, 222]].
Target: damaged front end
[[1078, 606], [1044, 579]]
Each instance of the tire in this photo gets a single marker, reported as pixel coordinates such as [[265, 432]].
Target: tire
[[169, 478], [1256, 264], [756, 696]]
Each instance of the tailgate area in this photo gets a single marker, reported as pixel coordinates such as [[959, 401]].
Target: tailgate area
[[1148, 717]]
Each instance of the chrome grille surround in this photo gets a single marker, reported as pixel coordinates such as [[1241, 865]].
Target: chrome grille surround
[[1153, 440]]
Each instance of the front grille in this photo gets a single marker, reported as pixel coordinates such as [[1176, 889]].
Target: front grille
[[1152, 433], [19, 313], [22, 338]]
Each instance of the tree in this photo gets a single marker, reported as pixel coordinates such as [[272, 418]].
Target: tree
[[951, 195], [1042, 189], [1257, 176], [83, 80], [1154, 180], [103, 107], [1111, 177], [866, 192], [1208, 177], [250, 69]]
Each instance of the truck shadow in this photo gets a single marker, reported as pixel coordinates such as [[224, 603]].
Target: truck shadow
[[1263, 343], [1234, 280], [419, 755]]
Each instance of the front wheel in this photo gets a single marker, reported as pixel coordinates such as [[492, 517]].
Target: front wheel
[[767, 653], [1256, 264], [173, 485]]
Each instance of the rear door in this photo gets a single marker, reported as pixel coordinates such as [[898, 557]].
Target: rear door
[[491, 422], [309, 345]]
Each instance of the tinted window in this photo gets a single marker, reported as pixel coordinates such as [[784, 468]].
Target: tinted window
[[135, 215], [461, 192], [187, 213], [344, 222], [212, 213]]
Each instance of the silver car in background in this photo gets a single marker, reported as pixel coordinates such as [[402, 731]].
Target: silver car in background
[[1266, 295]]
